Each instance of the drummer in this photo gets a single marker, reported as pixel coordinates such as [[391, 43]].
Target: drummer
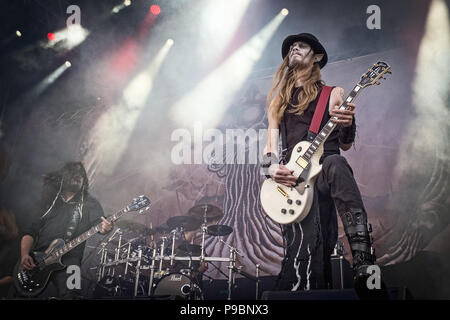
[[186, 247]]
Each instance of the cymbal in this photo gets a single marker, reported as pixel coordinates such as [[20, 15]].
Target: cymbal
[[212, 212], [164, 228], [219, 230], [133, 226], [192, 249], [188, 223], [141, 229]]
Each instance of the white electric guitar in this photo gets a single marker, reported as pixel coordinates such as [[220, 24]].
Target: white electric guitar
[[286, 205]]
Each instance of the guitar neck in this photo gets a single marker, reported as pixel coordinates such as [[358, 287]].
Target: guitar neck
[[86, 235], [323, 135]]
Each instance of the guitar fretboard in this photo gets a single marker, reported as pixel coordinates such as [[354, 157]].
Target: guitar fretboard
[[323, 135], [86, 235]]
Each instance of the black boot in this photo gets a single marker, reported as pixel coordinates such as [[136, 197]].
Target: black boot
[[358, 235]]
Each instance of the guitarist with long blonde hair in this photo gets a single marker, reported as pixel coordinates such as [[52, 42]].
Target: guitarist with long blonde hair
[[292, 104]]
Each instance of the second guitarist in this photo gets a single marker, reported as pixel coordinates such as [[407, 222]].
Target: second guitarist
[[292, 103], [67, 210]]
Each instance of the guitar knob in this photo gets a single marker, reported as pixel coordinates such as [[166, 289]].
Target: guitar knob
[[289, 201], [291, 211], [283, 211], [298, 202], [299, 149]]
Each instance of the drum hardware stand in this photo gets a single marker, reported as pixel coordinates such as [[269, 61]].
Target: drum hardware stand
[[231, 267], [162, 253], [173, 243], [257, 281], [127, 259], [152, 272], [101, 271], [138, 270], [204, 228]]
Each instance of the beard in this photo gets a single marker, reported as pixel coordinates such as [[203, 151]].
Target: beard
[[72, 187], [302, 69]]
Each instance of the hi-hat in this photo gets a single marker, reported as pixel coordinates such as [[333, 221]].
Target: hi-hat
[[219, 230], [188, 223], [211, 212]]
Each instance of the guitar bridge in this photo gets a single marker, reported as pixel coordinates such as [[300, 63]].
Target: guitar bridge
[[280, 190]]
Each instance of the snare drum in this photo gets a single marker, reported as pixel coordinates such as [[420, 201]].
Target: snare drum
[[178, 285]]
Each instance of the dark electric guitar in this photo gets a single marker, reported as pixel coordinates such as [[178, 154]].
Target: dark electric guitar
[[30, 283]]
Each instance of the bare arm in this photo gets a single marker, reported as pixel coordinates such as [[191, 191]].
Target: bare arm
[[345, 116], [279, 173], [272, 132], [6, 280], [25, 246]]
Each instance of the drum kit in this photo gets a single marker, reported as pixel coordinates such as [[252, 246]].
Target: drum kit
[[169, 264]]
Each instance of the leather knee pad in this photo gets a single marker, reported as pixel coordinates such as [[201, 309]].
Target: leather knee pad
[[358, 234]]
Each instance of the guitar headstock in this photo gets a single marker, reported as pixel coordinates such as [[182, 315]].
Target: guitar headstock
[[141, 204], [374, 74]]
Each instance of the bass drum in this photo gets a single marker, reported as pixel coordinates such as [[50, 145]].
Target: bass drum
[[178, 286]]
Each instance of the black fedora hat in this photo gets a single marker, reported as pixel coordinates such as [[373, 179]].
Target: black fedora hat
[[309, 39]]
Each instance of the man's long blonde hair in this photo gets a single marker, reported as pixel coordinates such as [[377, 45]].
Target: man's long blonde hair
[[284, 83]]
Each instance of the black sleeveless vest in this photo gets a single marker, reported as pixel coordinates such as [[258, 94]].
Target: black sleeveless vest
[[297, 126]]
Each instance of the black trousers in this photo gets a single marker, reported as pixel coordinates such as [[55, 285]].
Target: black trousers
[[309, 244]]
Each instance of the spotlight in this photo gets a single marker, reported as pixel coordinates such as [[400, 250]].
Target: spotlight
[[170, 42], [127, 3], [68, 64], [155, 9], [51, 36], [18, 33], [284, 12]]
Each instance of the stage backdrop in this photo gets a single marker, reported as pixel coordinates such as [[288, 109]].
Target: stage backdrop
[[400, 162], [405, 187]]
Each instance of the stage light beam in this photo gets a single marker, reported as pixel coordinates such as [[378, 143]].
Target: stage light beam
[[67, 39], [429, 96], [114, 128], [219, 21], [210, 99]]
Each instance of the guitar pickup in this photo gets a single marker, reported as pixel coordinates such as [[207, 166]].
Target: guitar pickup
[[302, 162]]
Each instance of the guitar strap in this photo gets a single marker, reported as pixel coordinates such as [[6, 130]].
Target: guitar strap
[[315, 123], [319, 113]]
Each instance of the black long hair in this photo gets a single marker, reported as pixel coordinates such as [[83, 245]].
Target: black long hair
[[54, 182]]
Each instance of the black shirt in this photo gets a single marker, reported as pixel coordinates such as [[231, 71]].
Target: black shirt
[[297, 126], [55, 224]]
